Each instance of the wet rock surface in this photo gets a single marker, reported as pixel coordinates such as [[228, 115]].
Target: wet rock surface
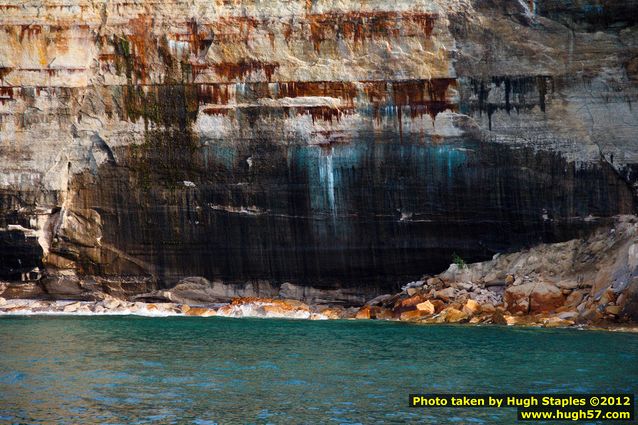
[[548, 285], [338, 148]]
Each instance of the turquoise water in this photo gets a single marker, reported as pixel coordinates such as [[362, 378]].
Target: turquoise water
[[133, 370]]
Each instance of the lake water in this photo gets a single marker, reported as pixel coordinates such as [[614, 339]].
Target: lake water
[[179, 370]]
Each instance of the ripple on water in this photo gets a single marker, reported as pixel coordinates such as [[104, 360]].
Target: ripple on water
[[58, 370]]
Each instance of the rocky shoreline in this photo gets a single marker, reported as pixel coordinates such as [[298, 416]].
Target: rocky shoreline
[[471, 313], [590, 282]]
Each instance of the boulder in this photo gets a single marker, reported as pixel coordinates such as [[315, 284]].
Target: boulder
[[546, 297], [517, 298], [363, 313], [413, 315], [446, 294], [557, 322], [468, 286], [488, 308], [567, 284], [613, 309], [332, 313], [84, 309], [471, 307], [310, 294], [200, 312], [72, 308], [111, 303], [282, 309], [409, 303], [533, 297], [63, 286], [452, 315], [384, 314], [193, 290], [590, 315], [575, 298], [478, 319], [435, 282], [568, 315], [426, 306], [265, 307]]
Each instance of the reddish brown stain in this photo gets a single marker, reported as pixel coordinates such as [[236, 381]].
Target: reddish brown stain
[[4, 71], [6, 94], [213, 93], [353, 26], [287, 31], [193, 36], [54, 71], [29, 31], [423, 96], [344, 90], [325, 113], [106, 56], [140, 41], [377, 93], [216, 111], [235, 29], [360, 26], [420, 96], [239, 70]]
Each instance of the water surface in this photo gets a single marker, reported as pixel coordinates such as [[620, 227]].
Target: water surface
[[134, 370]]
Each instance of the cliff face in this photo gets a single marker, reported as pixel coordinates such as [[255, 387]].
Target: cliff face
[[322, 142]]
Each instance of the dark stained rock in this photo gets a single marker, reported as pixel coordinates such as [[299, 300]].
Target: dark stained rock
[[22, 290], [339, 154], [62, 286]]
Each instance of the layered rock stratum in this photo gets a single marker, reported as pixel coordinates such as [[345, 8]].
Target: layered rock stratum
[[340, 145]]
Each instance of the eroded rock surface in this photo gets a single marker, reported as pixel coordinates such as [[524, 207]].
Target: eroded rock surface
[[583, 281], [338, 145]]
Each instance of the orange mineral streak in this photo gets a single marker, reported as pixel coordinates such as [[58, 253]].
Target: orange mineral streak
[[140, 41], [194, 36], [420, 96], [234, 29], [29, 31], [217, 94], [325, 113], [239, 70], [346, 91], [4, 71], [216, 111], [287, 31], [199, 37], [361, 26], [423, 96]]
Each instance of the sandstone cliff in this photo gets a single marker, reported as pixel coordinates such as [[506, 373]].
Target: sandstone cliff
[[332, 143]]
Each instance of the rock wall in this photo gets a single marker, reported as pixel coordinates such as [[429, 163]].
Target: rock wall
[[326, 143]]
